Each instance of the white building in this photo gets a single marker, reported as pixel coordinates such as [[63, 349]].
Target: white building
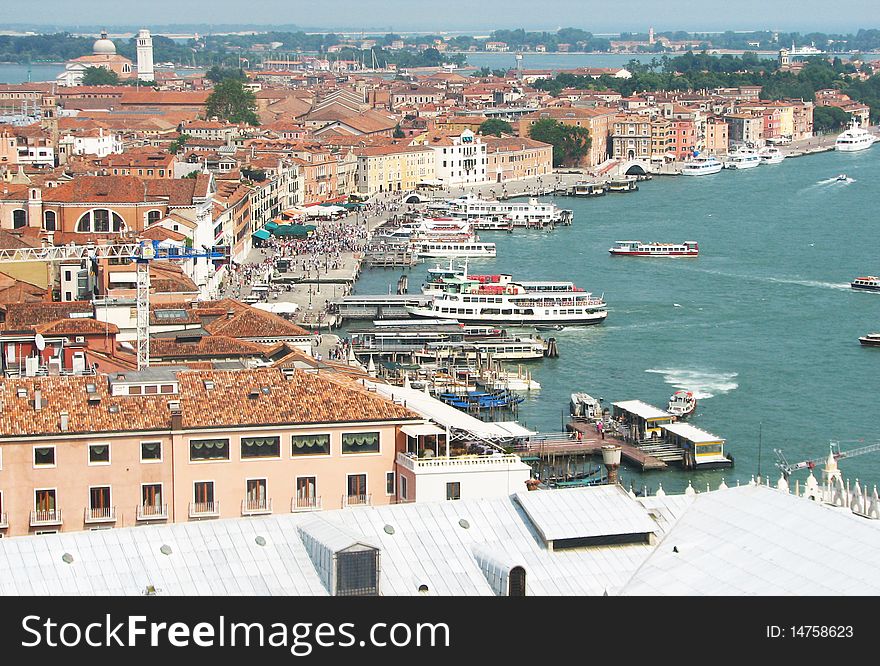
[[98, 143], [461, 160]]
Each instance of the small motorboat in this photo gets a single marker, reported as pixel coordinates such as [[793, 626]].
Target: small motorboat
[[682, 404], [842, 177], [870, 340], [549, 327]]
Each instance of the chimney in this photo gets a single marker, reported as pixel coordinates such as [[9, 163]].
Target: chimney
[[38, 398], [230, 314], [176, 419], [65, 421]]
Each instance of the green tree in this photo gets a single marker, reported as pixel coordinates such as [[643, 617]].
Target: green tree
[[178, 144], [218, 74], [398, 133], [827, 118], [231, 101], [100, 76], [570, 143], [495, 126]]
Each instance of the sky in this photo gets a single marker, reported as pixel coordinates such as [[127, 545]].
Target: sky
[[596, 16]]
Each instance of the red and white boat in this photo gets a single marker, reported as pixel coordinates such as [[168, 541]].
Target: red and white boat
[[640, 249], [682, 404]]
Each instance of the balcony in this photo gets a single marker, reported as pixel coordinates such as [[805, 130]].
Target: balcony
[[357, 500], [4, 521], [105, 514], [147, 512], [457, 463], [43, 517], [204, 509], [312, 503], [256, 507]]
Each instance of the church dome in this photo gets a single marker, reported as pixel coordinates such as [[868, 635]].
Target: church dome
[[104, 46]]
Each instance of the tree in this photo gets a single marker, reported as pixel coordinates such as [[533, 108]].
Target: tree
[[570, 143], [398, 133], [827, 118], [100, 76], [495, 126], [178, 144], [256, 175], [217, 74], [231, 101]]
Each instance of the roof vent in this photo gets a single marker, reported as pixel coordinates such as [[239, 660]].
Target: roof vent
[[265, 390], [389, 529], [21, 393], [91, 388], [464, 524], [254, 394], [67, 558], [174, 405], [260, 541], [165, 549], [209, 385], [65, 421], [114, 409]]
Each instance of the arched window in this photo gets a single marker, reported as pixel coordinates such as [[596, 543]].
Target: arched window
[[153, 216], [99, 221], [49, 220], [19, 219], [516, 582]]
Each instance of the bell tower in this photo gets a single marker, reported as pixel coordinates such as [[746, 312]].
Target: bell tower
[[145, 56]]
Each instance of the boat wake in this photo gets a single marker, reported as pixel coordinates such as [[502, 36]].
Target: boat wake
[[702, 384], [817, 284]]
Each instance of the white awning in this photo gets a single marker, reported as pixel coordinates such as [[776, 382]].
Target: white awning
[[423, 430]]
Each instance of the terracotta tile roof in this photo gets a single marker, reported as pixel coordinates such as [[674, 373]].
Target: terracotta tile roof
[[212, 346], [26, 316], [77, 327], [180, 191], [254, 323], [92, 189], [20, 238]]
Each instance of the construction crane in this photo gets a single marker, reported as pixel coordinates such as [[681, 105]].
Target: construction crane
[[786, 468], [141, 253]]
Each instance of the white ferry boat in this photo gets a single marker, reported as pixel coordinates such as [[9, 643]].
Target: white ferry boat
[[501, 349], [532, 213], [640, 249], [745, 158], [771, 155], [867, 283], [682, 404], [453, 248], [427, 227], [512, 304], [702, 165], [854, 138]]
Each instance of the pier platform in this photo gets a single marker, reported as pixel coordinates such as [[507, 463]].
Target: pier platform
[[590, 444]]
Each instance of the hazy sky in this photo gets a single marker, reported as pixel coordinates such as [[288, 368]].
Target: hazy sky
[[401, 15]]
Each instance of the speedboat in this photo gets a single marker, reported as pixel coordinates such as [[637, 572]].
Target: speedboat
[[682, 404], [854, 138], [870, 340], [842, 177], [771, 155]]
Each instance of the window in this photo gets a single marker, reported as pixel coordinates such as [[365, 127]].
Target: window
[[99, 500], [203, 492], [151, 494], [389, 483], [151, 451], [99, 221], [403, 488], [99, 454], [208, 449], [310, 445], [357, 485], [257, 497], [45, 500], [360, 442], [44, 456], [153, 216], [357, 572], [260, 447], [19, 219], [49, 220], [453, 490], [516, 582]]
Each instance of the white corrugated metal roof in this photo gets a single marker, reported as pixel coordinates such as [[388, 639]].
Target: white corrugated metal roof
[[586, 512], [692, 433], [642, 409]]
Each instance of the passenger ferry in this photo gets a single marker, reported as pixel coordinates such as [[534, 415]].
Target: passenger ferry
[[702, 165], [640, 249], [867, 283], [512, 304], [453, 248], [624, 184], [427, 228], [532, 213], [744, 158], [854, 138], [682, 404], [771, 155], [587, 189], [502, 349]]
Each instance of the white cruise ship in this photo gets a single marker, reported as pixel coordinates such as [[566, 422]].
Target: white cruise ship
[[854, 138], [702, 165], [513, 304], [483, 212], [745, 158]]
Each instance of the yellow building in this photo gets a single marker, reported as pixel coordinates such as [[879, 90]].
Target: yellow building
[[393, 168]]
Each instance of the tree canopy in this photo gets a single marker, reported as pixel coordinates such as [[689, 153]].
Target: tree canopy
[[100, 76], [231, 101], [570, 143], [495, 126], [827, 118]]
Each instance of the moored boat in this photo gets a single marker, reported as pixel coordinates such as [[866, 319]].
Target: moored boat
[[744, 158], [771, 155], [640, 249], [854, 138], [702, 165]]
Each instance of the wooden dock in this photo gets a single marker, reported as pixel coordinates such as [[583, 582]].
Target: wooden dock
[[590, 444]]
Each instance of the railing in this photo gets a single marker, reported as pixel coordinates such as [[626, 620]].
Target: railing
[[45, 517], [251, 507], [106, 514], [204, 509], [414, 464], [310, 503], [357, 500], [4, 522], [152, 512]]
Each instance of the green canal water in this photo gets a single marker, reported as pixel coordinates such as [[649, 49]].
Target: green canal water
[[762, 326]]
